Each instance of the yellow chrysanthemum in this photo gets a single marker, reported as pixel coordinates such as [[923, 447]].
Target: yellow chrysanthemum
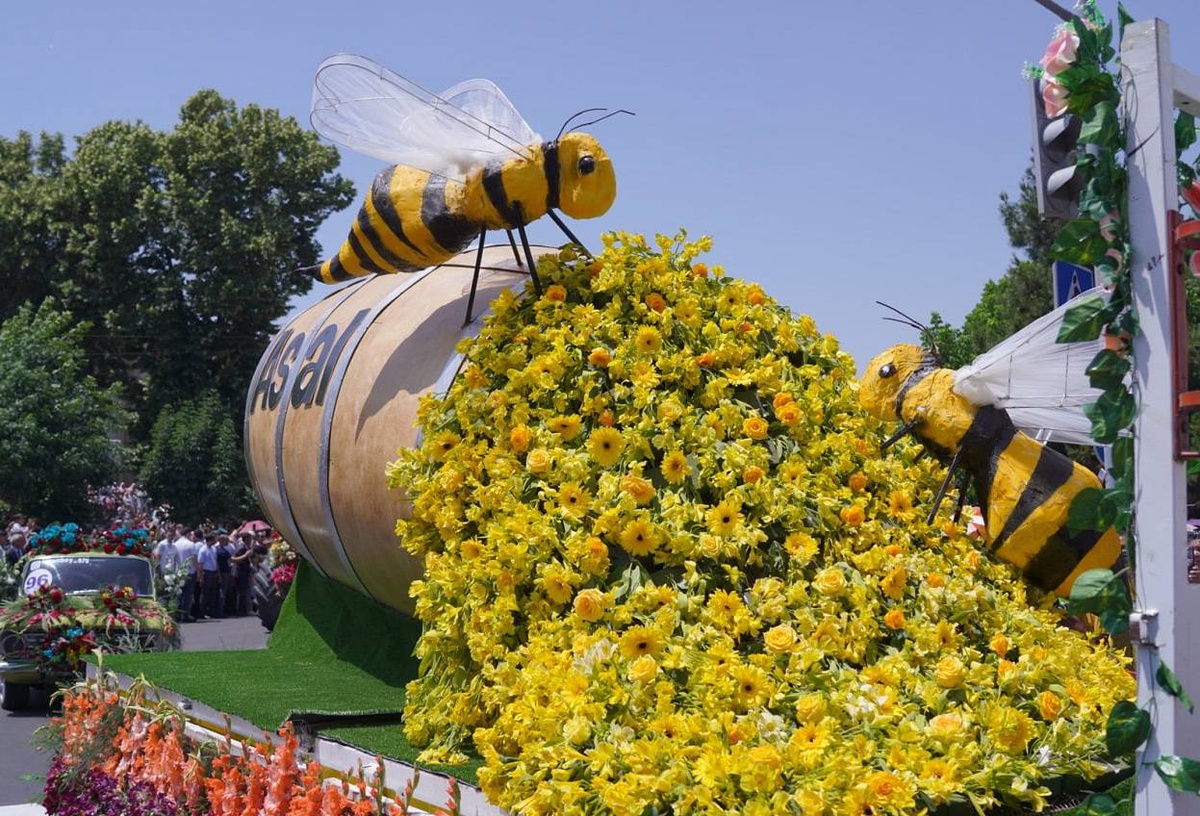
[[724, 519], [640, 537], [605, 446], [648, 340], [675, 467], [637, 641]]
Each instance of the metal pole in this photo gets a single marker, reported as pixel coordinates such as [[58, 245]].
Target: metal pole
[[1055, 8], [1167, 608]]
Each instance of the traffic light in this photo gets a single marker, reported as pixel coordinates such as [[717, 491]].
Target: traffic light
[[1059, 180]]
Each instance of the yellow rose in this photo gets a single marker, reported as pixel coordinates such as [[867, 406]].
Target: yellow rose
[[590, 604], [950, 672], [894, 619], [640, 489], [538, 461], [556, 293], [946, 726], [810, 708], [853, 515], [643, 670], [755, 428], [656, 302], [600, 357], [780, 639], [1050, 705], [999, 644], [830, 581], [789, 414], [857, 482], [519, 438], [752, 474]]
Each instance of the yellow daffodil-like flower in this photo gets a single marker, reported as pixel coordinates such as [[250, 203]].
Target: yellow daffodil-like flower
[[667, 567]]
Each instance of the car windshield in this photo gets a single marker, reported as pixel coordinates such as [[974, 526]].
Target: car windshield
[[82, 573]]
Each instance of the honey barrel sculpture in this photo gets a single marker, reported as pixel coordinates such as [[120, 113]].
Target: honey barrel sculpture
[[335, 396]]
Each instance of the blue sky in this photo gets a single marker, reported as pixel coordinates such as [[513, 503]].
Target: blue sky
[[838, 153]]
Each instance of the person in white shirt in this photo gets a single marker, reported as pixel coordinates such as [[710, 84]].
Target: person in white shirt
[[210, 577], [186, 549]]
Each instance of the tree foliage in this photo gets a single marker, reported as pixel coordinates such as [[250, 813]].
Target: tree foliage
[[55, 421], [194, 462], [178, 247]]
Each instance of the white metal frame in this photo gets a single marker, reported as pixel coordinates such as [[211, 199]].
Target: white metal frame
[[1167, 608]]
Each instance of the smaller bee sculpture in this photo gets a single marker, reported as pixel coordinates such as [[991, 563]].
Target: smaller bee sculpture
[[462, 162], [990, 419]]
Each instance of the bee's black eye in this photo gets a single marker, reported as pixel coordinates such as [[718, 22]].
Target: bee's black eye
[[887, 370], [586, 165]]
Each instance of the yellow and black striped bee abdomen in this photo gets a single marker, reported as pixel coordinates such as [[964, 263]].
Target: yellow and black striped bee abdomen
[[1026, 489], [406, 223]]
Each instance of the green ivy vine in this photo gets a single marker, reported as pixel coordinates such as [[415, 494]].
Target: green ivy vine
[[1099, 238]]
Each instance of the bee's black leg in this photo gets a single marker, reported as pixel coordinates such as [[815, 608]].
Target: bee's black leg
[[570, 235], [945, 484], [513, 243], [537, 284], [475, 278]]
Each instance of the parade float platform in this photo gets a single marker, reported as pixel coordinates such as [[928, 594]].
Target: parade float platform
[[335, 669]]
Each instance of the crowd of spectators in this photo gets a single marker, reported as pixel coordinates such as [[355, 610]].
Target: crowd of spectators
[[217, 568], [208, 571]]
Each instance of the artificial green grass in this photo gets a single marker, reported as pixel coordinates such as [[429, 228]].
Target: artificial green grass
[[333, 651]]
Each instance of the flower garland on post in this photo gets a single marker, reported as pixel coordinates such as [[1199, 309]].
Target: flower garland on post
[[1077, 80]]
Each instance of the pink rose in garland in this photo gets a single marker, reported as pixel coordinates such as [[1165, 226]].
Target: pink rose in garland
[[1060, 54]]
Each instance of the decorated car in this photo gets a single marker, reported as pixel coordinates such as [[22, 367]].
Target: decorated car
[[74, 603]]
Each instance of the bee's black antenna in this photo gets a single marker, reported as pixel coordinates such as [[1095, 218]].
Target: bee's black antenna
[[907, 321], [926, 333], [563, 129]]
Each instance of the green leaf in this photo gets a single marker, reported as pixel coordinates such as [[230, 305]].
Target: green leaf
[[1097, 804], [1103, 594], [1169, 683], [1185, 131], [1128, 727], [1084, 320], [1111, 414], [1180, 773], [1079, 242], [1100, 125], [1122, 457], [1123, 18], [1107, 370], [1085, 510]]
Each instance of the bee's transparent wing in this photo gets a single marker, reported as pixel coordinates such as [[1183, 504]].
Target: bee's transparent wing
[[1042, 384], [362, 105]]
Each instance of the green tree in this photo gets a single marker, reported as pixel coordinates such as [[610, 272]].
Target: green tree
[[55, 421], [194, 462], [178, 247]]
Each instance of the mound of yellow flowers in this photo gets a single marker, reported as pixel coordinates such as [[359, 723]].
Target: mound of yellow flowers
[[668, 570]]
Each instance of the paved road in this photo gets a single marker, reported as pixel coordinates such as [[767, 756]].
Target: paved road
[[19, 758]]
